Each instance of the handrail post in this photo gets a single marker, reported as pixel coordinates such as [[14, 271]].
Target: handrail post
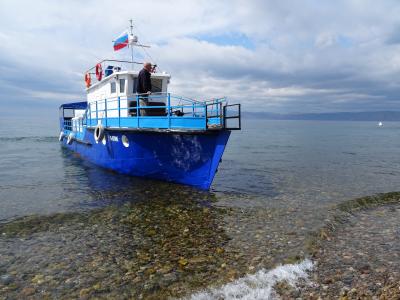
[[216, 108], [169, 111], [97, 114], [224, 116], [119, 111], [240, 116], [205, 118], [192, 109], [105, 109], [137, 110], [220, 114], [90, 114]]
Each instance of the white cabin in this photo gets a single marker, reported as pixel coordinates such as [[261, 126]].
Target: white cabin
[[119, 88]]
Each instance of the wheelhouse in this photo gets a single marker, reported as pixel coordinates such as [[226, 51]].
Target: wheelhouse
[[121, 83]]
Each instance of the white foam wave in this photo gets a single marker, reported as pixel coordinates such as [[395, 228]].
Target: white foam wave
[[259, 285]]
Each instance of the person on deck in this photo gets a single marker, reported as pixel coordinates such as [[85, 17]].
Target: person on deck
[[144, 86]]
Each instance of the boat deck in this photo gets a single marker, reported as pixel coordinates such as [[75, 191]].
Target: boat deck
[[164, 112]]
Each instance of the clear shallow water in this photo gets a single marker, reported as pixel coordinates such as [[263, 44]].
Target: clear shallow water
[[306, 163], [275, 185]]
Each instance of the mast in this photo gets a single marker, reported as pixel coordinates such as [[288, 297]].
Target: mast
[[133, 41], [131, 35]]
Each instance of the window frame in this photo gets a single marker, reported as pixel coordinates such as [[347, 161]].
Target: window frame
[[124, 84], [113, 83]]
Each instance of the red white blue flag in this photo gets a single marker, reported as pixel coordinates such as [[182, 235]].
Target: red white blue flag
[[122, 41]]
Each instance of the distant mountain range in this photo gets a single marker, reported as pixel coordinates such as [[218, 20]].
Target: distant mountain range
[[338, 116]]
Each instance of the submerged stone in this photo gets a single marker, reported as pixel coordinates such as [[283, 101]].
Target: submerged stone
[[28, 291], [6, 279], [183, 262]]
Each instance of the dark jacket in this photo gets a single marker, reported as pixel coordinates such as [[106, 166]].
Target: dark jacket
[[144, 82]]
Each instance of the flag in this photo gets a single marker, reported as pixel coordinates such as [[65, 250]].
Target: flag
[[122, 41]]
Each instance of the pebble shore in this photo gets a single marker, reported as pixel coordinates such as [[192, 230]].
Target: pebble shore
[[357, 256], [172, 247]]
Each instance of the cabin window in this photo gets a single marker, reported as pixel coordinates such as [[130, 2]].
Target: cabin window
[[68, 113], [113, 87], [122, 85], [156, 85], [134, 85]]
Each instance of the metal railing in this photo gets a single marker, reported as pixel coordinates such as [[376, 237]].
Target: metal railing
[[235, 116], [161, 110], [121, 64]]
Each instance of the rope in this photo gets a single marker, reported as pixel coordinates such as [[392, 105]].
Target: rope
[[144, 49]]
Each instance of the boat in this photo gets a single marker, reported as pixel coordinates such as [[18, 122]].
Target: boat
[[380, 124], [170, 138]]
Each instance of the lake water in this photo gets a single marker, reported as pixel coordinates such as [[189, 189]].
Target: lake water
[[304, 162], [275, 185]]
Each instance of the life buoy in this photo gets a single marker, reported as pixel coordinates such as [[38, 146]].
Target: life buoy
[[61, 137], [88, 80], [70, 138], [99, 72], [99, 133]]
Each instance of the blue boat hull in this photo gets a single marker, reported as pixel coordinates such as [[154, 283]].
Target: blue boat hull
[[187, 158]]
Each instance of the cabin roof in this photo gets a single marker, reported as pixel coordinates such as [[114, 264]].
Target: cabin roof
[[75, 105], [130, 72]]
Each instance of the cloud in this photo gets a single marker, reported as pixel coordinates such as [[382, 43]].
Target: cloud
[[286, 56]]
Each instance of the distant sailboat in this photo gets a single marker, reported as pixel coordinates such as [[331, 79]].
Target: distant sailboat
[[380, 124]]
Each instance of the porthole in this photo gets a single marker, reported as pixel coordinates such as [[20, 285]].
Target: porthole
[[125, 141]]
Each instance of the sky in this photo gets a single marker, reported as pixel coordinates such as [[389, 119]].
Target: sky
[[282, 56]]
